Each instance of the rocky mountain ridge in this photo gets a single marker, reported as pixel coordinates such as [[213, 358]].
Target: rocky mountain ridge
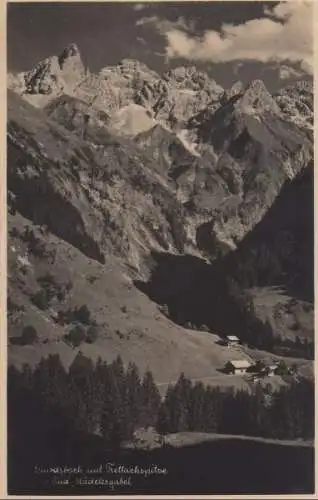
[[175, 97], [211, 136]]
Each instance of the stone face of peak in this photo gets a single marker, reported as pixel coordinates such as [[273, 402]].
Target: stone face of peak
[[296, 102], [191, 78], [257, 84], [132, 64], [256, 98], [45, 78], [71, 64], [71, 50], [237, 88], [54, 75], [172, 99], [128, 70]]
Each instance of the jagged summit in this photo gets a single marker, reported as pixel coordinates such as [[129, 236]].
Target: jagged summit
[[53, 75], [256, 98], [172, 98], [237, 88], [181, 98], [71, 50], [71, 64]]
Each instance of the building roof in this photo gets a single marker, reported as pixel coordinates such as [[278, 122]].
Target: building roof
[[232, 337], [240, 363], [270, 364]]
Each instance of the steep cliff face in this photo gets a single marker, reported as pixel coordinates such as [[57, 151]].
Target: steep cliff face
[[101, 198], [258, 150]]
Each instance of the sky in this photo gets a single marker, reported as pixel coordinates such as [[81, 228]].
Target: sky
[[272, 41]]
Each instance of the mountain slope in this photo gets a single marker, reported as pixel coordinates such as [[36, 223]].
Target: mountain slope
[[97, 198]]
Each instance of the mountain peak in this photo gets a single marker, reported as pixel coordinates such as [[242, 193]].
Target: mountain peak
[[71, 65], [257, 97], [237, 88], [71, 50], [257, 86]]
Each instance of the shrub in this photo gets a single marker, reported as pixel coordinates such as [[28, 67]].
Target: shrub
[[307, 307], [48, 283], [37, 248], [54, 289], [83, 315], [257, 368], [12, 307], [204, 328], [41, 300], [165, 309], [69, 286], [91, 334], [282, 368], [76, 336], [91, 279], [120, 334], [29, 335], [65, 317], [14, 232]]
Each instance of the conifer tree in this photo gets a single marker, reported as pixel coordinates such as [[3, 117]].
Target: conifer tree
[[196, 412], [133, 393], [116, 425], [150, 401], [117, 370], [163, 426], [178, 401], [81, 378], [50, 379]]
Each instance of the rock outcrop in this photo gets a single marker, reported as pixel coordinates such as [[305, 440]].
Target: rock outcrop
[[296, 103]]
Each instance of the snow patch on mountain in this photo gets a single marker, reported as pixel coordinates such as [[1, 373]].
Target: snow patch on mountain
[[131, 120], [183, 135]]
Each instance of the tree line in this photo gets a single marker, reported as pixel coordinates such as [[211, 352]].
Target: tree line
[[111, 401], [284, 414]]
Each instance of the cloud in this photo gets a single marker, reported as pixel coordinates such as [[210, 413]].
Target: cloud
[[285, 33], [236, 67], [141, 40], [164, 25], [286, 72], [149, 20], [139, 6]]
